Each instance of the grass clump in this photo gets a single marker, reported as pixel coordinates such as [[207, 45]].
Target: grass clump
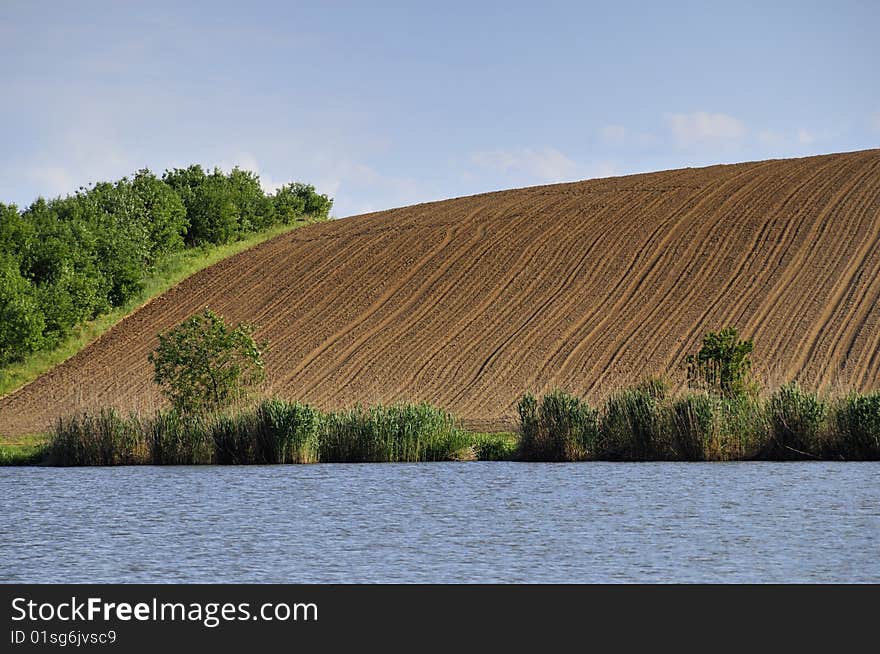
[[635, 424], [287, 432], [706, 427], [695, 428], [642, 423], [561, 427], [797, 424], [176, 439], [855, 426], [101, 439], [272, 432], [23, 454], [394, 433], [494, 446]]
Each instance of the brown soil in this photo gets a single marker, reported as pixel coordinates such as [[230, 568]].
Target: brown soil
[[585, 286]]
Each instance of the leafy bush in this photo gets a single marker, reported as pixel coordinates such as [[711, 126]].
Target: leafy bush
[[561, 428], [295, 201], [722, 365], [21, 320], [204, 365]]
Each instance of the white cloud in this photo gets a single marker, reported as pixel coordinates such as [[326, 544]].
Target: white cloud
[[619, 136], [357, 181], [544, 165], [771, 138], [614, 134], [804, 137], [517, 167], [701, 128], [83, 155]]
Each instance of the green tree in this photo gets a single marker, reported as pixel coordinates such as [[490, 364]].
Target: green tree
[[62, 262], [295, 200], [16, 233], [21, 322], [255, 210], [289, 204], [722, 365], [156, 208], [204, 365], [70, 259]]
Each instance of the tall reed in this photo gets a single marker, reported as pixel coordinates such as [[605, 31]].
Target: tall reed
[[399, 432], [177, 439], [797, 424], [102, 438], [856, 428], [707, 427], [561, 427], [641, 423], [635, 424], [287, 432]]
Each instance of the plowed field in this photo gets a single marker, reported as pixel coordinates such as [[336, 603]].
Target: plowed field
[[586, 286]]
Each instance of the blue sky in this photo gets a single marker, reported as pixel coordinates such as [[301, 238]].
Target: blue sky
[[388, 104]]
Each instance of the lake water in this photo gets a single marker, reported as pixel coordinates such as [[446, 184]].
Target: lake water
[[444, 522]]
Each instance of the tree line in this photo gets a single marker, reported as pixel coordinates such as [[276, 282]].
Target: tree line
[[67, 260]]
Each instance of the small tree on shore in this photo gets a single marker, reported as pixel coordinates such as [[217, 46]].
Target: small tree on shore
[[722, 365], [204, 365]]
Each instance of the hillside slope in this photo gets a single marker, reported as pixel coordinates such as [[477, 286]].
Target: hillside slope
[[587, 286]]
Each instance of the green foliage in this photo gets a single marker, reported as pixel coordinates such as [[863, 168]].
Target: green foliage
[[273, 432], [83, 255], [561, 428], [722, 365], [856, 422], [212, 212], [254, 209], [797, 421], [21, 320], [98, 439], [176, 439], [494, 446], [157, 212], [287, 432], [204, 365], [695, 426], [295, 200], [276, 432], [634, 426], [170, 271], [791, 424], [25, 454], [399, 432], [221, 207]]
